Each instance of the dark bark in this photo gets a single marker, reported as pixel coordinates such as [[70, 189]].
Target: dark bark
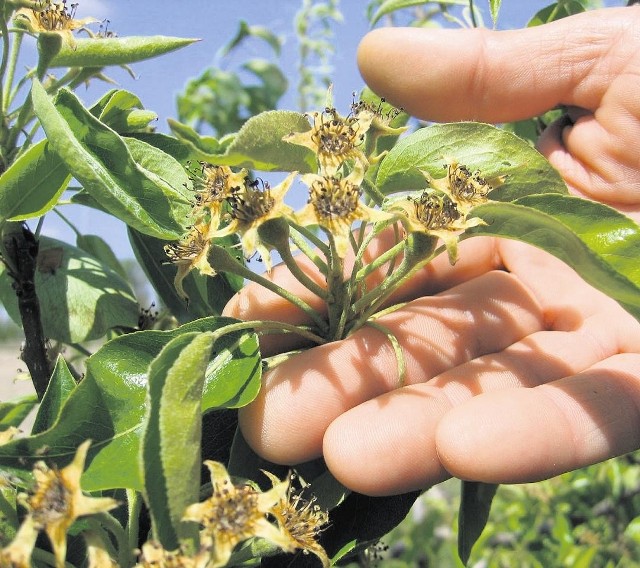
[[20, 251]]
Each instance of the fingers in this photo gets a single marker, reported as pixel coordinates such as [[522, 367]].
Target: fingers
[[388, 445], [304, 395], [477, 74], [518, 435]]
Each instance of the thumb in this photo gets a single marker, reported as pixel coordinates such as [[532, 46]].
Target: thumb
[[501, 76]]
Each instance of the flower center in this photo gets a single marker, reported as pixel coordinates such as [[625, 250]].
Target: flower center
[[252, 203], [55, 17], [436, 211], [333, 197], [465, 185], [336, 136]]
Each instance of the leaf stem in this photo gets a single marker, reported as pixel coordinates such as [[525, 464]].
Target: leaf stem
[[115, 528], [222, 261], [401, 365], [269, 326]]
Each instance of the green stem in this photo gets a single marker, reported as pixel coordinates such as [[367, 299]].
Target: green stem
[[294, 268], [313, 238], [298, 239], [387, 256], [397, 350], [6, 48], [13, 60], [115, 528], [66, 220], [134, 506], [339, 291], [472, 12], [267, 326], [222, 261]]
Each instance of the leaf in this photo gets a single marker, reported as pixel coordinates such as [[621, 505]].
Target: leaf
[[202, 146], [33, 183], [14, 412], [122, 111], [245, 31], [109, 403], [98, 248], [174, 423], [8, 513], [100, 160], [389, 6], [80, 298], [494, 6], [207, 295], [259, 145], [473, 515], [492, 151], [597, 241], [61, 385], [556, 11], [102, 52]]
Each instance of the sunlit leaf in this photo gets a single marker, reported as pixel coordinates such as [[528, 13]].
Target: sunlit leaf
[[101, 161], [102, 52], [111, 398], [389, 6], [173, 423], [597, 241], [80, 298], [493, 151], [33, 183], [61, 385]]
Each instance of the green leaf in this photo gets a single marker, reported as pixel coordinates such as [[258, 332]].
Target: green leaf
[[207, 295], [122, 111], [556, 11], [13, 413], [111, 399], [8, 513], [61, 385], [492, 151], [597, 241], [474, 513], [80, 298], [259, 145], [98, 248], [33, 183], [101, 161], [245, 31], [102, 52], [173, 424], [494, 5], [389, 6]]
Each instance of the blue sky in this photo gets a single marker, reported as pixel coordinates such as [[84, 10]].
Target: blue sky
[[215, 22]]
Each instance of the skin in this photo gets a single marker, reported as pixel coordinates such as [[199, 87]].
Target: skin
[[516, 369]]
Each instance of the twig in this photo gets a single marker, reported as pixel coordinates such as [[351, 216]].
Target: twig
[[19, 254]]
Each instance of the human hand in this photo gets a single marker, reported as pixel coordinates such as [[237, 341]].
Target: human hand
[[506, 316]]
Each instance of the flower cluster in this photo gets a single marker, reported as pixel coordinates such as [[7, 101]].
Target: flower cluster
[[442, 209], [235, 513], [230, 203]]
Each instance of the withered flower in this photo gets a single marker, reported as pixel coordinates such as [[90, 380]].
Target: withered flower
[[17, 554], [189, 253], [302, 520], [334, 139], [213, 185], [58, 501], [251, 206], [434, 212], [155, 556], [235, 513], [334, 204], [52, 17]]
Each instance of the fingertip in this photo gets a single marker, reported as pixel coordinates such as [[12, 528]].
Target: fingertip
[[504, 437]]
